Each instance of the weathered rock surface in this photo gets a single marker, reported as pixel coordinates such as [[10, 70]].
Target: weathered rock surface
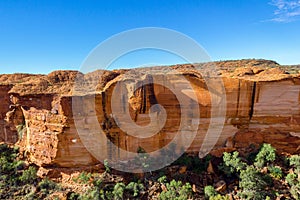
[[45, 113]]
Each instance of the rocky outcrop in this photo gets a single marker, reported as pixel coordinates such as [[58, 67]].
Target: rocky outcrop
[[8, 133], [56, 123]]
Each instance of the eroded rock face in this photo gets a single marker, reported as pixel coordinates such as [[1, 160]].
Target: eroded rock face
[[276, 105], [45, 114], [8, 132]]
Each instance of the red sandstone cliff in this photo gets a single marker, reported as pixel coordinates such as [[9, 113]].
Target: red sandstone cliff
[[262, 105]]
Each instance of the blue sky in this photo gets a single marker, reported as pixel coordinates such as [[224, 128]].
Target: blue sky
[[41, 36]]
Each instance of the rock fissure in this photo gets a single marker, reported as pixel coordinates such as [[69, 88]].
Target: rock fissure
[[252, 101]]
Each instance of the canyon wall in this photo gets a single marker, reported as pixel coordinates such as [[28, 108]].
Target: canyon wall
[[56, 126]]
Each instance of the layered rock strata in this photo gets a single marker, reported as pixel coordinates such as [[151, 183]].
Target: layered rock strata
[[57, 118]]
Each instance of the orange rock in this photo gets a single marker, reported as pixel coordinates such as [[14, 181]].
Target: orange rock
[[42, 172], [182, 169], [164, 188], [220, 151], [221, 186], [194, 188], [210, 168], [262, 106]]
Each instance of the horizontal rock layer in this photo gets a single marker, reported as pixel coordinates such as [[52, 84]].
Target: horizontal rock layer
[[69, 119]]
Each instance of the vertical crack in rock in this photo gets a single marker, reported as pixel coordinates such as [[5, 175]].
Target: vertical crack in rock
[[238, 98], [252, 100], [148, 95], [144, 100], [106, 125]]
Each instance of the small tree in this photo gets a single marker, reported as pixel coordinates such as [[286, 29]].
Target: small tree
[[252, 184], [162, 179], [176, 191], [209, 191], [276, 172], [92, 193], [47, 185], [118, 191], [266, 155], [143, 159], [135, 188], [232, 163], [83, 177], [220, 197], [29, 175], [106, 165], [295, 162], [293, 178], [295, 191]]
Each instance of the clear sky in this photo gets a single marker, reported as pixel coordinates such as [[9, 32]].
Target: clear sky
[[39, 36]]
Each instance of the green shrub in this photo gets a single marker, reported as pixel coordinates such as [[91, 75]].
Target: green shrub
[[73, 196], [28, 176], [185, 160], [176, 191], [91, 194], [143, 159], [107, 195], [252, 155], [276, 172], [135, 188], [295, 191], [6, 166], [209, 192], [252, 184], [8, 160], [232, 163], [106, 165], [295, 162], [10, 170], [162, 179], [118, 191], [291, 179], [219, 197], [266, 155], [83, 177], [19, 165], [47, 184], [193, 163], [97, 182]]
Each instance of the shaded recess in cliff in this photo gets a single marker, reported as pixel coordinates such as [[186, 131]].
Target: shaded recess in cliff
[[252, 100]]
